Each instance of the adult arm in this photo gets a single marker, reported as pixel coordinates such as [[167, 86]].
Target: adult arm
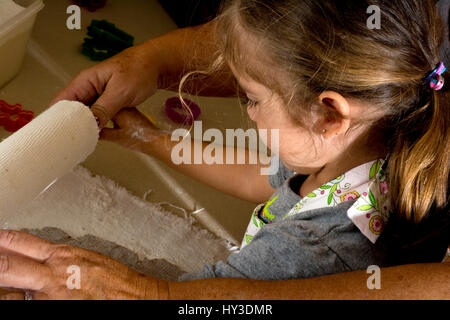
[[129, 78], [414, 281], [30, 263]]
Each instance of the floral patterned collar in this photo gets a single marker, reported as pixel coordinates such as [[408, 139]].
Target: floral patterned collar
[[367, 185]]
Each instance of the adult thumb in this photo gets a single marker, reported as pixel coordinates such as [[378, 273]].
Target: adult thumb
[[104, 110], [101, 114]]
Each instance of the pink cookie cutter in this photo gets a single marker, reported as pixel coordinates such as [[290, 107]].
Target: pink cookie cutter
[[173, 105]]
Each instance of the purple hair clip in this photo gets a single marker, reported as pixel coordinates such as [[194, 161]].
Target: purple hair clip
[[435, 78]]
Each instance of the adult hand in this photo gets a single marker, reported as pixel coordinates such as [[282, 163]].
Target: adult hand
[[28, 263], [123, 81]]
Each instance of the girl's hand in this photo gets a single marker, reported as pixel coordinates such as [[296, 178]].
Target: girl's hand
[[132, 130], [123, 81], [60, 272]]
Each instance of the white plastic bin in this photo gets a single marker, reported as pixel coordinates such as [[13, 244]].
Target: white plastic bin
[[14, 36]]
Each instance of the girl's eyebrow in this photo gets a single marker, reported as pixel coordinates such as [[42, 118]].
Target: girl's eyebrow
[[240, 85], [245, 88]]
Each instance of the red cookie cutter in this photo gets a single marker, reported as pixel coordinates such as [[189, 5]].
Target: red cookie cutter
[[13, 117]]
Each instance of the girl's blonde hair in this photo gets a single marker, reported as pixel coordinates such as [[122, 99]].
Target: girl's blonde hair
[[300, 48]]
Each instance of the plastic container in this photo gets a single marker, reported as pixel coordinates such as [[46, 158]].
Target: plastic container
[[14, 36]]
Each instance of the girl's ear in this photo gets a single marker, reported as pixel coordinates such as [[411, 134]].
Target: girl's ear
[[334, 114]]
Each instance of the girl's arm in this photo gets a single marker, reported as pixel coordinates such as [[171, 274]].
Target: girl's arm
[[243, 181]]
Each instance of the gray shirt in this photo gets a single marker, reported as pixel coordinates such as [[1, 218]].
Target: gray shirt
[[310, 244]]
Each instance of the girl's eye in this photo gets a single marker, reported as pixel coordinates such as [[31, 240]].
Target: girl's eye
[[250, 102]]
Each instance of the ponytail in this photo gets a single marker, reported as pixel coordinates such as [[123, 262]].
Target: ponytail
[[418, 168]]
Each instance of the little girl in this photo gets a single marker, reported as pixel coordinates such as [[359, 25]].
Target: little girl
[[363, 120]]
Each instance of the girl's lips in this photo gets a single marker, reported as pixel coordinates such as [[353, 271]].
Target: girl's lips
[[251, 110]]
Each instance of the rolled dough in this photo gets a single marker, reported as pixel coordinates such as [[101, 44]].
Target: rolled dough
[[159, 268]]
